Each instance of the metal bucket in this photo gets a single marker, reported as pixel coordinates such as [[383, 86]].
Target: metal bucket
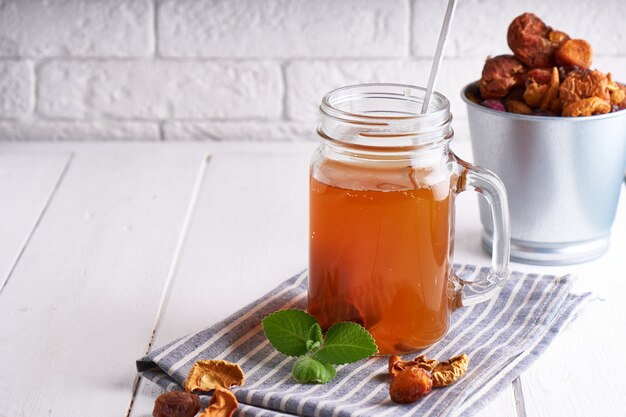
[[563, 177]]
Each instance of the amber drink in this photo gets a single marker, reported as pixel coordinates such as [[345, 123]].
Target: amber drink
[[382, 189]]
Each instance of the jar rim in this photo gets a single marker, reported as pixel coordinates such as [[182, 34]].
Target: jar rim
[[384, 115], [439, 104]]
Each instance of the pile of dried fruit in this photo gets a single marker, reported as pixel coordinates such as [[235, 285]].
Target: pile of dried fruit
[[548, 74], [414, 379], [204, 376]]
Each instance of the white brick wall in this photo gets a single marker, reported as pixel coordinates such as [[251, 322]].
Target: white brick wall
[[16, 86], [160, 90], [245, 70]]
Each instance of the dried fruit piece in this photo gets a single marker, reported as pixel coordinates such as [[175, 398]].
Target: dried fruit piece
[[397, 365], [528, 38], [539, 75], [552, 91], [543, 96], [558, 36], [426, 364], [534, 94], [556, 107], [587, 107], [210, 374], [494, 104], [564, 71], [517, 106], [578, 85], [410, 385], [500, 75], [574, 52], [617, 92], [447, 372], [223, 404], [176, 404], [471, 96], [621, 105]]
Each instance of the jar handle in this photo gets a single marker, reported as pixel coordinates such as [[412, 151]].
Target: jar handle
[[492, 189]]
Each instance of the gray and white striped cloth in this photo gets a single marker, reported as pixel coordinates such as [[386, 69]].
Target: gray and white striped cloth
[[501, 337]]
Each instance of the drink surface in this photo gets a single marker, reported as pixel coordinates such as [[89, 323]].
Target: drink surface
[[379, 256]]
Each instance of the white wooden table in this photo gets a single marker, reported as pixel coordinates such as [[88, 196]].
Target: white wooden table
[[102, 245]]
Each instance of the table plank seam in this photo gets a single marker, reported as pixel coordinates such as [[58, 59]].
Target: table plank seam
[[200, 177], [57, 185], [518, 393]]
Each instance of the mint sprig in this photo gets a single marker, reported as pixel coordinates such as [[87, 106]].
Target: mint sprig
[[297, 333]]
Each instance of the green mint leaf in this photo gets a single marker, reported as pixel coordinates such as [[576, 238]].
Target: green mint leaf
[[315, 338], [345, 343], [311, 345], [308, 370], [288, 331]]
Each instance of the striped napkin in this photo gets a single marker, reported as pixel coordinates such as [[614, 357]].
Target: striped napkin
[[501, 337]]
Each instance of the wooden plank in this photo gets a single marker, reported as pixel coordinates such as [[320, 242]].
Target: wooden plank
[[563, 382], [248, 232], [501, 406], [27, 182], [582, 372], [80, 305]]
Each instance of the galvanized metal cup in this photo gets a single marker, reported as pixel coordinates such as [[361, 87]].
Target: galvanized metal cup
[[563, 177]]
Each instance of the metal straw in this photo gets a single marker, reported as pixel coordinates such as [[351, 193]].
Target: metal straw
[[443, 37]]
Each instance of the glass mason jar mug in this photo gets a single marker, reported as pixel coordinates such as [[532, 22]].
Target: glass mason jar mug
[[382, 189]]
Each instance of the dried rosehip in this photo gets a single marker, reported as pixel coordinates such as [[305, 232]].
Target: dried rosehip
[[397, 365], [539, 75], [528, 38], [500, 75], [574, 52], [410, 385], [426, 364], [176, 404], [494, 104]]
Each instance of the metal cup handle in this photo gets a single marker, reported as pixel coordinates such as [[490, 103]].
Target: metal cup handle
[[492, 189]]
